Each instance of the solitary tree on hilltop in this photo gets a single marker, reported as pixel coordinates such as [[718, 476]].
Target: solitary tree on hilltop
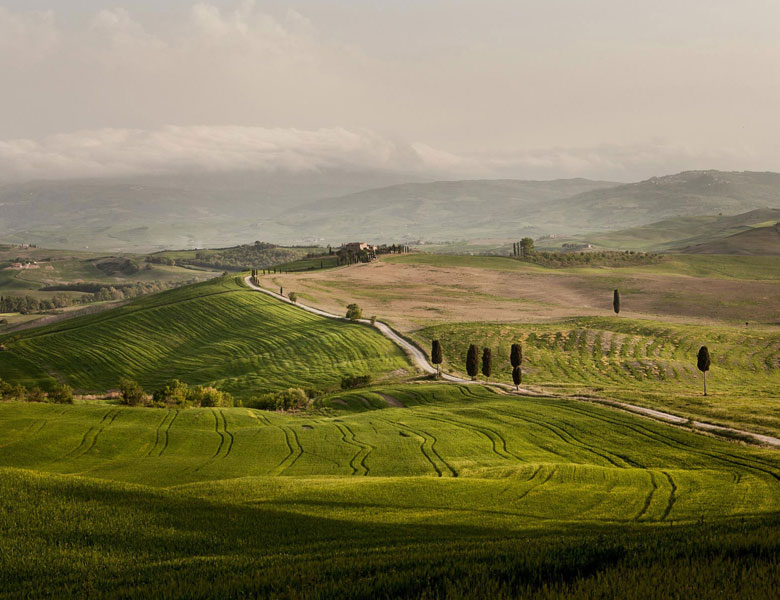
[[616, 301], [436, 356], [703, 363], [487, 363], [472, 362]]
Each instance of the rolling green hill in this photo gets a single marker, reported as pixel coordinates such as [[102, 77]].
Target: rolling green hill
[[218, 333], [440, 210], [534, 498], [678, 232], [687, 194], [762, 241]]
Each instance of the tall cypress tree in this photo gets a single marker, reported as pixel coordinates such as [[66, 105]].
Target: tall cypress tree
[[516, 355], [472, 362], [487, 363], [703, 364], [517, 377], [616, 301], [436, 356]]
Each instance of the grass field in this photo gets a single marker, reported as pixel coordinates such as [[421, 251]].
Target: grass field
[[640, 361], [217, 333], [463, 492]]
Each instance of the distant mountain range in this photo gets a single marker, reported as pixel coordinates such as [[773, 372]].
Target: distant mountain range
[[220, 210]]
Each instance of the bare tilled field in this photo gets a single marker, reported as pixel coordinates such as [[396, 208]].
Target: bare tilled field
[[414, 291]]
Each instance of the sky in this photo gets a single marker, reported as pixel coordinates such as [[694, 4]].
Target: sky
[[605, 89]]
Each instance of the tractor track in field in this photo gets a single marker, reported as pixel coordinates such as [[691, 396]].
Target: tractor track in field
[[427, 447], [656, 436], [672, 496], [89, 439], [537, 485], [225, 437], [168, 432], [294, 447], [562, 434], [157, 434], [363, 449], [498, 440], [649, 497]]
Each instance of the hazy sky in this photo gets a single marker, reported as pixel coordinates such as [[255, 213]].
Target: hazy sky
[[619, 89]]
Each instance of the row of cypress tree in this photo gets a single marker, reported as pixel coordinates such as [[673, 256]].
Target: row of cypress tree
[[472, 361]]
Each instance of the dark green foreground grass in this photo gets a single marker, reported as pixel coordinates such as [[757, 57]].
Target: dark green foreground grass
[[463, 492]]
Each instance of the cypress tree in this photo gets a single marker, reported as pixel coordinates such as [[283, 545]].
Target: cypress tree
[[472, 365], [436, 356], [517, 377], [487, 363], [616, 301], [516, 355], [703, 364]]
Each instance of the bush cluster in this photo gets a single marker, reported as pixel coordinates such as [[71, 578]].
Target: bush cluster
[[59, 394], [354, 381], [174, 393], [289, 399], [604, 258]]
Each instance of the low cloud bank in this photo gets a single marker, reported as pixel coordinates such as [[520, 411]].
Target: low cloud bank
[[127, 152]]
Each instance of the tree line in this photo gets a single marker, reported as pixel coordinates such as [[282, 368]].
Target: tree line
[[91, 292], [59, 394]]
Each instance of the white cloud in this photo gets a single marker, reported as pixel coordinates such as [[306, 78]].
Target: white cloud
[[171, 149], [110, 152], [539, 94]]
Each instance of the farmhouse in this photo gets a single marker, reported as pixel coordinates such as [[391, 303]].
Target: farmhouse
[[359, 247]]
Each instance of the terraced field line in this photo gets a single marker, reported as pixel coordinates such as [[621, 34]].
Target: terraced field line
[[420, 360]]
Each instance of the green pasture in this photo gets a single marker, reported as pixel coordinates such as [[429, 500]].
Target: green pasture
[[216, 333], [459, 492], [717, 266], [641, 361]]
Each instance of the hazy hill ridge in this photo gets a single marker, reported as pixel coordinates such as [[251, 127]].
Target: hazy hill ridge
[[227, 209]]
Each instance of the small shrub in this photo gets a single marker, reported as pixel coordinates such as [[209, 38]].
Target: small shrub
[[173, 393], [131, 392], [355, 381], [354, 312], [62, 394]]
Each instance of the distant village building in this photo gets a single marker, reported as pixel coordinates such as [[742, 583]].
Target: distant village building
[[21, 266], [359, 247]]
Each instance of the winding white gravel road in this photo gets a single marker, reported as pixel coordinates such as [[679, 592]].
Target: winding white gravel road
[[420, 360]]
